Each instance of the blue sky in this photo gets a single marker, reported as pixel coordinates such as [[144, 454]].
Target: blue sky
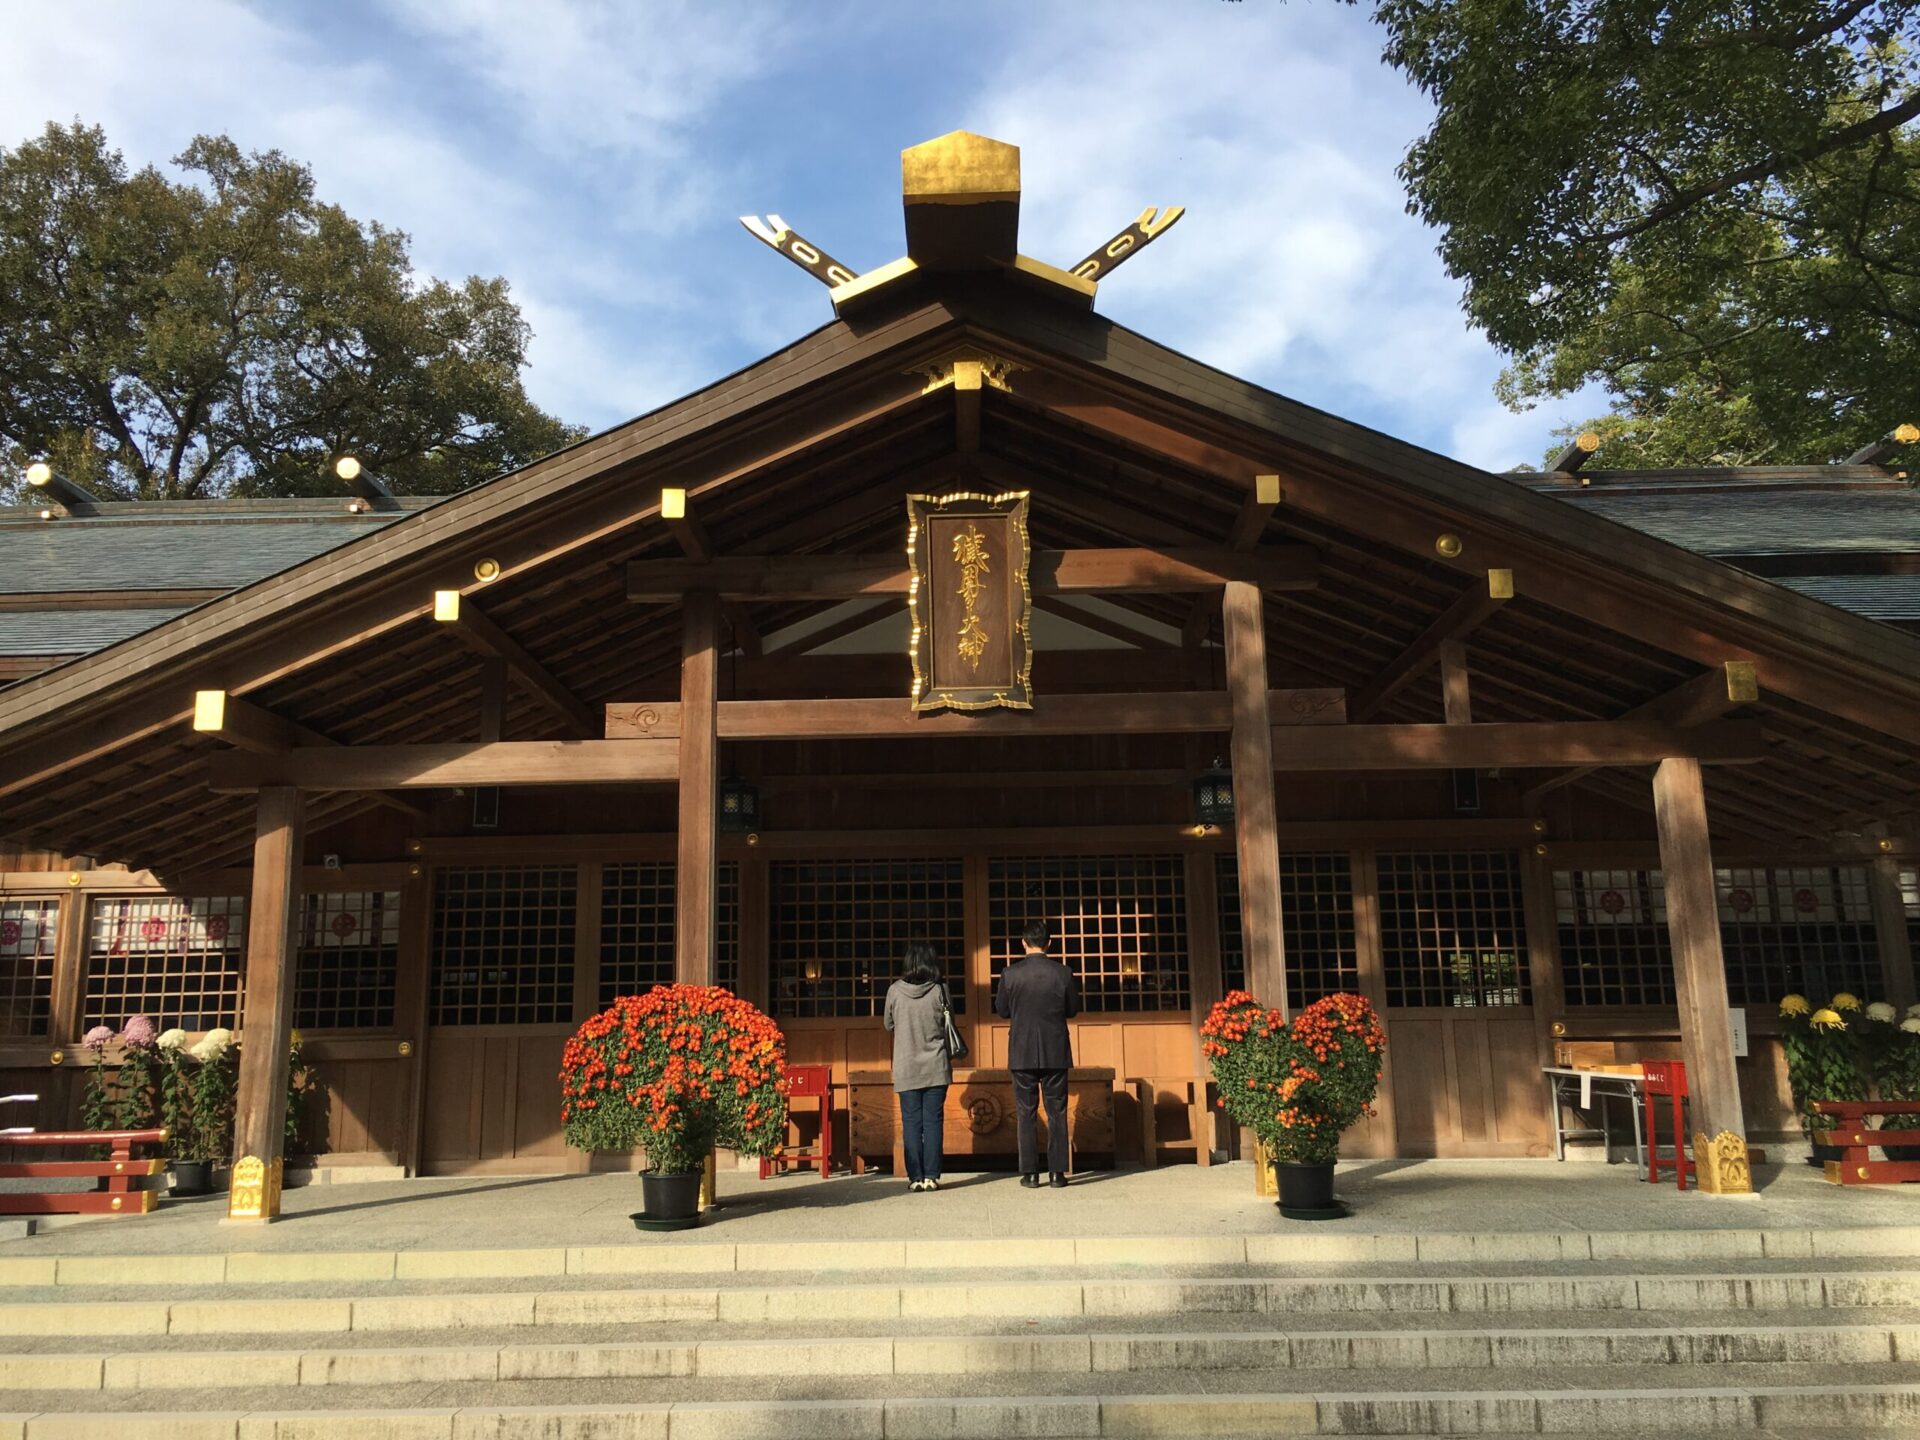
[[597, 155]]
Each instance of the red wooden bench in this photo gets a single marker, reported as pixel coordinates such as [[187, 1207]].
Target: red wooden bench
[[119, 1169], [804, 1081], [1850, 1132]]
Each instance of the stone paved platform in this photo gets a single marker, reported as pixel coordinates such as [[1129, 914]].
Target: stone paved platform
[[1486, 1197]]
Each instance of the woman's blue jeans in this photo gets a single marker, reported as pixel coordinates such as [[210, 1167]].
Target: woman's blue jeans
[[922, 1118]]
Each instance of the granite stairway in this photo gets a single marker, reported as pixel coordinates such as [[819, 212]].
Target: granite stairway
[[1760, 1333]]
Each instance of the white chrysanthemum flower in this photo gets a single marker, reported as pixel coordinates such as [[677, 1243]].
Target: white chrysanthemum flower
[[1911, 1025], [172, 1040], [1881, 1010], [1913, 1012]]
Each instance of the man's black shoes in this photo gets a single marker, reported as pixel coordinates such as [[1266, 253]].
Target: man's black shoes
[[1032, 1182], [1059, 1181]]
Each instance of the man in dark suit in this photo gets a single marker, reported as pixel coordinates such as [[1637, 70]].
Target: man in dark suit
[[1039, 995]]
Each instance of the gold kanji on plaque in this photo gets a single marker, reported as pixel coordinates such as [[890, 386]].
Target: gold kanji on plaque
[[971, 605]]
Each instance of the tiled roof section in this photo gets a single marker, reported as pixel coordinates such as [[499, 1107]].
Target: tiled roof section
[[72, 632], [1810, 519], [1878, 597], [163, 545]]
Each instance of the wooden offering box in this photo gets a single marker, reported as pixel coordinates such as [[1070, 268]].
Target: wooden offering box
[[979, 1117]]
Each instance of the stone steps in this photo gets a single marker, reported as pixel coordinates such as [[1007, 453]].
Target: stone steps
[[1758, 1332], [1116, 1297], [1890, 1408], [1498, 1351]]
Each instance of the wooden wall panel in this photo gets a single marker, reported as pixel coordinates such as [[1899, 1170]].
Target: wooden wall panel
[[1519, 1091], [1422, 1108], [366, 1107]]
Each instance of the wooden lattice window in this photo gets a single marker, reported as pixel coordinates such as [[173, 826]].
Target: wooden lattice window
[[349, 960], [1119, 923], [840, 928], [1453, 929], [1316, 924], [29, 931], [1614, 945], [177, 961], [1797, 928], [637, 927], [503, 941]]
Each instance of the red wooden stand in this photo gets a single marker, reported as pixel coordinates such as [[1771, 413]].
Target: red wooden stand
[[119, 1168], [808, 1082], [1854, 1168], [1667, 1079]]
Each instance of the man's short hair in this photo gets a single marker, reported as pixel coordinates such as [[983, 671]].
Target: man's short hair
[[1038, 935]]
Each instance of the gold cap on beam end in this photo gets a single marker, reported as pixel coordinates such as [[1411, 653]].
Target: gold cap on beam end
[[1906, 433], [1743, 682], [446, 605], [347, 467], [1500, 584], [673, 503], [1266, 490], [1587, 441], [209, 710], [39, 473]]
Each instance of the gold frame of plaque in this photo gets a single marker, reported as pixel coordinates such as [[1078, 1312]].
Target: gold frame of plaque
[[970, 601]]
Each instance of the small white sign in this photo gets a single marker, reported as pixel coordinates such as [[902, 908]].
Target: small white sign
[[1737, 1022]]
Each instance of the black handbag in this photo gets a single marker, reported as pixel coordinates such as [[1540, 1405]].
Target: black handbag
[[956, 1042]]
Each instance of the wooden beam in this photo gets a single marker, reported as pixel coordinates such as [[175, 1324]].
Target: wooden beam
[[695, 879], [407, 767], [697, 545], [1897, 974], [1467, 613], [1256, 841], [247, 726], [1456, 695], [1248, 526], [1149, 712], [1706, 697], [463, 615], [1700, 975], [1055, 672], [847, 577], [1101, 624], [493, 699], [273, 915], [967, 385], [1512, 746]]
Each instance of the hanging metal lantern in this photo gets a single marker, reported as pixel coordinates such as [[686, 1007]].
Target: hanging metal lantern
[[739, 806], [1213, 795]]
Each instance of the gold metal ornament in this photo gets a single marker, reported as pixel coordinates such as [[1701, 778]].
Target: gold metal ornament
[[1448, 545], [1722, 1164], [486, 571], [254, 1192], [995, 371]]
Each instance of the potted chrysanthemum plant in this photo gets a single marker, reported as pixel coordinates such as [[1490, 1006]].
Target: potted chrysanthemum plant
[[1297, 1085], [213, 1087], [675, 1073], [1891, 1042], [1824, 1061]]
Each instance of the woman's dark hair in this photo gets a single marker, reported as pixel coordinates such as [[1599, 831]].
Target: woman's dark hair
[[1038, 934], [922, 964]]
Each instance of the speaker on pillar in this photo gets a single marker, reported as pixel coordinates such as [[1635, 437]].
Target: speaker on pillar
[[1466, 792]]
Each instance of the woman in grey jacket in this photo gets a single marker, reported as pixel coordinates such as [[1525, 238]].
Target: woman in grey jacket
[[922, 1069]]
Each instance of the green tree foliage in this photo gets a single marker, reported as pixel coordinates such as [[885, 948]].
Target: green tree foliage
[[1712, 209], [229, 333]]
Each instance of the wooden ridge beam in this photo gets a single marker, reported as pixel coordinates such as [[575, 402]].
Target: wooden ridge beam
[[1469, 611], [499, 762], [1705, 697], [783, 673], [654, 757], [847, 577], [464, 617]]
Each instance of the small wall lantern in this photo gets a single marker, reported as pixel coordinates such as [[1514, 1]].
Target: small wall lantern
[[1213, 795], [739, 806]]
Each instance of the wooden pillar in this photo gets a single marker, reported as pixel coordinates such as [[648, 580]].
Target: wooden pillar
[[695, 877], [273, 915], [1369, 959], [1545, 981], [1890, 929], [1455, 687], [65, 1025], [412, 997], [1256, 818], [1205, 982], [1700, 975]]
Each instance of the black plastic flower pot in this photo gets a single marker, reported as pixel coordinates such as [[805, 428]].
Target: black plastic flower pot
[[1306, 1192], [191, 1177], [670, 1199]]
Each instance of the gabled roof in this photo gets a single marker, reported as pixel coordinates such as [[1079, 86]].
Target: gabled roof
[[811, 449]]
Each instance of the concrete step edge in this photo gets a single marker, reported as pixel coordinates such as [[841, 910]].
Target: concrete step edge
[[1038, 1417], [781, 1304], [719, 1257], [1478, 1351]]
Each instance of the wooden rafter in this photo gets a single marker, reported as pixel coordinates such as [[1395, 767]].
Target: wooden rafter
[[1248, 526], [253, 728], [1475, 605], [697, 545], [464, 617]]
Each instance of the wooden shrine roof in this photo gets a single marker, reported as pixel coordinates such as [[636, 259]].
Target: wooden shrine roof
[[1123, 441]]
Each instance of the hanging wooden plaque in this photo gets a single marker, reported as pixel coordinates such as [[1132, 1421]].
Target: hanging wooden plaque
[[971, 606]]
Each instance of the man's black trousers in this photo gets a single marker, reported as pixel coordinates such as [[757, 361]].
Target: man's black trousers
[[1028, 1087]]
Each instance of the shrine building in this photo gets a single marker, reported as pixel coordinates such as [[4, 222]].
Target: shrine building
[[968, 608]]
